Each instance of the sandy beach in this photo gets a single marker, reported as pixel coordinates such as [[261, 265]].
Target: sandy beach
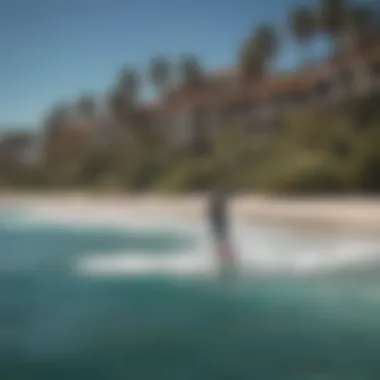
[[330, 214]]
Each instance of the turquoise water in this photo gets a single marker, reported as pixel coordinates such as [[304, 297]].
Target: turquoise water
[[55, 324]]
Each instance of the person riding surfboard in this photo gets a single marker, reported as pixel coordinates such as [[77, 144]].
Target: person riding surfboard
[[219, 220]]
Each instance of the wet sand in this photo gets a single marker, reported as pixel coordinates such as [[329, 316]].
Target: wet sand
[[360, 215]]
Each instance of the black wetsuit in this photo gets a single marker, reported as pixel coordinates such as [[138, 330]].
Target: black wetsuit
[[218, 214]]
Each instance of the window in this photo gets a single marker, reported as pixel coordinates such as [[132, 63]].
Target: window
[[322, 88]]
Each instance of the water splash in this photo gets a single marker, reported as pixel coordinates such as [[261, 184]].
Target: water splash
[[254, 255]]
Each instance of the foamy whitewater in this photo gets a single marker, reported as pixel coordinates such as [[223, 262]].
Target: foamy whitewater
[[257, 250]]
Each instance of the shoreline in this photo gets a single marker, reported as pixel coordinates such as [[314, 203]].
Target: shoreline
[[354, 215]]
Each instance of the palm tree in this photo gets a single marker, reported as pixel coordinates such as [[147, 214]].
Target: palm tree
[[361, 21], [343, 22], [375, 27], [128, 83], [57, 119], [302, 24], [258, 51], [123, 98], [251, 65], [332, 16], [191, 72], [55, 127], [265, 40], [86, 112], [160, 74], [117, 106]]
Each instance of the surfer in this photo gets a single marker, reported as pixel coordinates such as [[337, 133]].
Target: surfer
[[218, 216]]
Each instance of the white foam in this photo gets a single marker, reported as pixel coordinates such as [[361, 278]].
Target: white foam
[[263, 258], [257, 250], [140, 264]]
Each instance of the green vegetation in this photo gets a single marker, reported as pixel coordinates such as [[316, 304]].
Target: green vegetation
[[315, 151]]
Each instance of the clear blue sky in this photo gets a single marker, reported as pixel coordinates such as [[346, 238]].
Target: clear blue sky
[[54, 50]]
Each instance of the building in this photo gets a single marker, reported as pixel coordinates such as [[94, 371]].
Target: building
[[197, 113]]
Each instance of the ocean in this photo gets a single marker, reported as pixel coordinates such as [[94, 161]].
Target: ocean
[[93, 302]]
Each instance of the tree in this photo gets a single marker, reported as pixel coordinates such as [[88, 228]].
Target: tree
[[343, 22], [360, 22], [64, 145], [121, 110], [160, 74], [302, 24], [376, 20], [128, 84], [116, 105], [332, 15], [123, 98], [57, 118], [86, 106], [54, 126], [258, 51], [265, 40], [191, 71], [251, 66]]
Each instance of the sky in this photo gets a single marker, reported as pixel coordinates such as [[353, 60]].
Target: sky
[[56, 50]]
